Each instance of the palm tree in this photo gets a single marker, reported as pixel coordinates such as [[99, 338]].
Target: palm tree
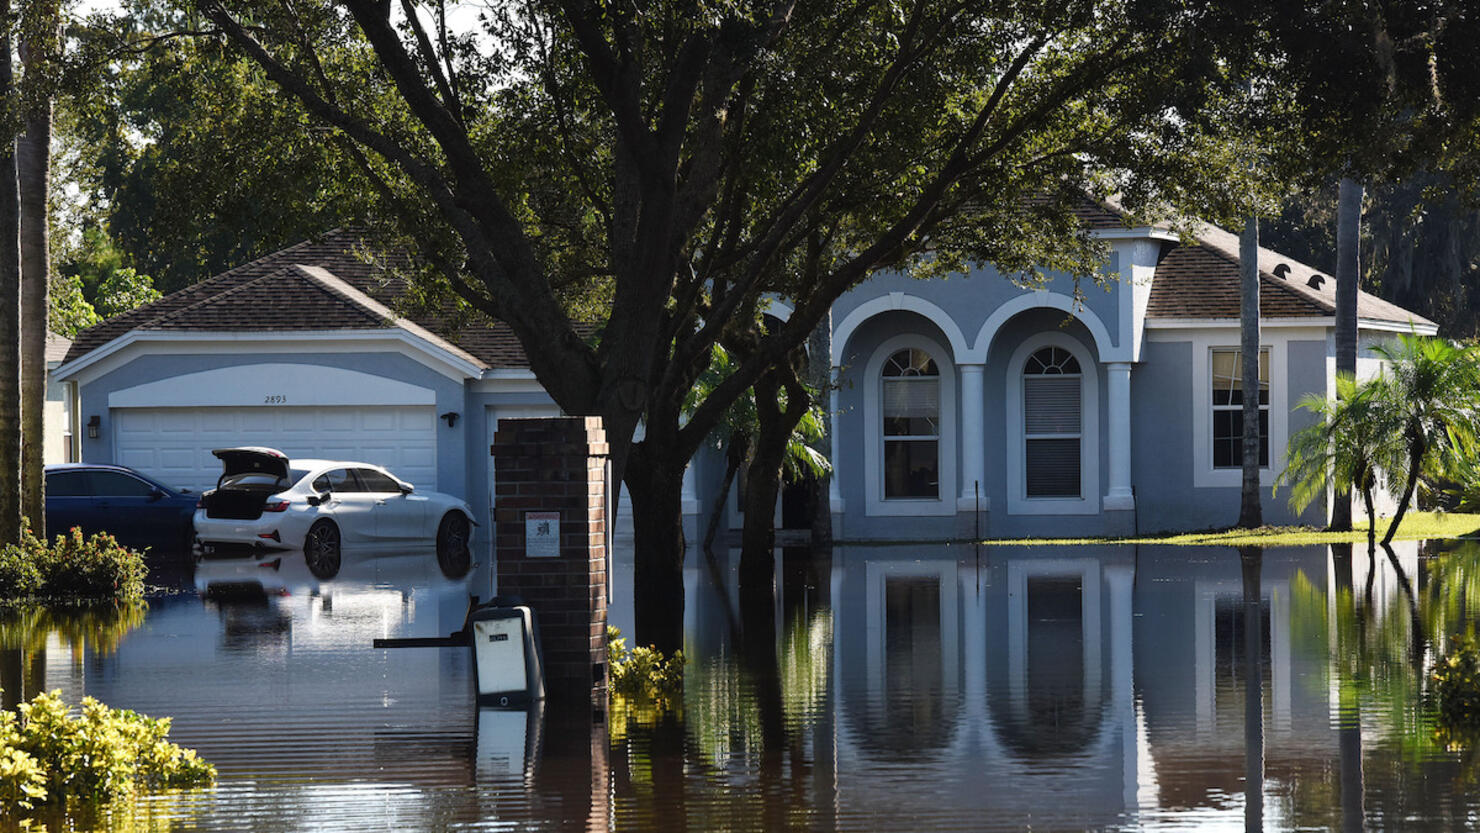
[[799, 459], [1348, 270], [1356, 437], [1250, 511], [38, 45], [10, 309], [1433, 392]]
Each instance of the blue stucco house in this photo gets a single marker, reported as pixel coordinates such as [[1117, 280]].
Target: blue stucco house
[[962, 404]]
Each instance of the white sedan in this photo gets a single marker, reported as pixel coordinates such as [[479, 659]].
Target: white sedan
[[264, 503]]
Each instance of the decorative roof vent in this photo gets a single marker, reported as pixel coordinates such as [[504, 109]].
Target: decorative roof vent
[[1316, 280], [1282, 271]]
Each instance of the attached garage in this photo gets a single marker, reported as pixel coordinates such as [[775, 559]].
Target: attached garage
[[168, 428], [174, 444]]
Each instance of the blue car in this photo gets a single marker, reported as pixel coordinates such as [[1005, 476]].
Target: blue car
[[138, 511]]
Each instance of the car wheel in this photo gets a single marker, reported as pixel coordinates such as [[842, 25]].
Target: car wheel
[[321, 549], [453, 555]]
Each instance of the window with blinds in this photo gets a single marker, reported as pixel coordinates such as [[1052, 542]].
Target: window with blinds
[[1228, 408], [911, 411], [1052, 423]]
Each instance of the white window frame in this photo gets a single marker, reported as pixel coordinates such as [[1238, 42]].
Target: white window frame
[[1263, 348], [944, 503], [1018, 502], [1204, 475]]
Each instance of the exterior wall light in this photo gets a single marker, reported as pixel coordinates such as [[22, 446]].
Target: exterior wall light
[[93, 423], [451, 417]]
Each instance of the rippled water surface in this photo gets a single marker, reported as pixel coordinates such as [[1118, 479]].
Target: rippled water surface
[[899, 688]]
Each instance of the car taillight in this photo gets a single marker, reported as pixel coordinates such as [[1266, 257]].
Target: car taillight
[[200, 502], [275, 506]]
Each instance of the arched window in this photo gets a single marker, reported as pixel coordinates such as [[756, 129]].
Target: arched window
[[910, 388], [1052, 424]]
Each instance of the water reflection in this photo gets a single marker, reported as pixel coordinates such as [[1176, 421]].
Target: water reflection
[[870, 688]]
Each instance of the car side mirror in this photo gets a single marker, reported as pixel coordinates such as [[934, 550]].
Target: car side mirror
[[156, 495], [407, 488]]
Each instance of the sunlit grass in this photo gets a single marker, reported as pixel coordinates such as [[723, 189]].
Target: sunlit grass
[[1417, 526]]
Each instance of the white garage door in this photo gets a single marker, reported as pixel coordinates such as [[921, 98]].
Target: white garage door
[[174, 444]]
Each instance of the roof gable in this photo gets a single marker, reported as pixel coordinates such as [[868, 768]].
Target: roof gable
[[320, 284]]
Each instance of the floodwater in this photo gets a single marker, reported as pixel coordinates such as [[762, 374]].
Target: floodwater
[[898, 688]]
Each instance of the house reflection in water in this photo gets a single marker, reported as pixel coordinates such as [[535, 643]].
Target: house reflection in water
[[999, 673], [1085, 687]]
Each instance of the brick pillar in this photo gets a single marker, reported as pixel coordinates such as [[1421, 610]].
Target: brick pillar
[[553, 471]]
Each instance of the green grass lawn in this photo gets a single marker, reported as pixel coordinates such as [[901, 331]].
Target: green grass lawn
[[1416, 526]]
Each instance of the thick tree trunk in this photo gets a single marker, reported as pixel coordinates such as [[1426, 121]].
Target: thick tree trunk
[[654, 479], [1348, 265], [775, 424], [1250, 512], [762, 485], [34, 157], [10, 313]]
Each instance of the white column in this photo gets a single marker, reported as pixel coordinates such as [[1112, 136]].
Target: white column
[[1121, 579], [690, 496], [1120, 496], [834, 494], [973, 437]]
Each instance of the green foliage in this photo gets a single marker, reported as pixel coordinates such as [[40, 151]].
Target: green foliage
[[98, 628], [71, 568], [740, 422], [643, 672], [1354, 437], [1456, 681], [124, 290], [50, 755], [1415, 423], [70, 311], [183, 159]]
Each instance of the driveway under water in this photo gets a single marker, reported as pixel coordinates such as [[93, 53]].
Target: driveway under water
[[926, 687]]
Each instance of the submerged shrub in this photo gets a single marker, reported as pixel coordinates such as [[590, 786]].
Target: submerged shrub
[[48, 755], [74, 568], [646, 687], [642, 672], [1457, 688]]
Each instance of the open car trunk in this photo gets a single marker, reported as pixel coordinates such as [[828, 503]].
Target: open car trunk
[[249, 477]]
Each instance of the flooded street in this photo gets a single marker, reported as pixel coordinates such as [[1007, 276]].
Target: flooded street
[[952, 688]]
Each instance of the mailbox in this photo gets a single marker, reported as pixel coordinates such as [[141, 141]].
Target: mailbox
[[506, 655]]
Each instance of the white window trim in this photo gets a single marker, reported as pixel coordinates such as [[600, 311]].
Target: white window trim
[[1203, 473], [873, 454], [1263, 348], [1018, 502]]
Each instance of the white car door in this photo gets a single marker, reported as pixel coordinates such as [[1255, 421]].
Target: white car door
[[399, 517], [351, 506]]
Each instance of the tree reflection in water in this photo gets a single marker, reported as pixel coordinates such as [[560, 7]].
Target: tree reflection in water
[[25, 633]]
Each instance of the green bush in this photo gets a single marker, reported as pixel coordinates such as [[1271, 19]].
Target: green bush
[[50, 756], [642, 672], [71, 568], [1457, 687], [19, 576]]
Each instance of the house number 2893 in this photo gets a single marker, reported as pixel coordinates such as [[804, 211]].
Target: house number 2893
[[274, 399]]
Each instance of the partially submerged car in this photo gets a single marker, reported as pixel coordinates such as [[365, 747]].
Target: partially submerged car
[[264, 503], [135, 509]]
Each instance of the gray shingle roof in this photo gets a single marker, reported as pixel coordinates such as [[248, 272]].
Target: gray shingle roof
[[272, 294], [1202, 281]]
